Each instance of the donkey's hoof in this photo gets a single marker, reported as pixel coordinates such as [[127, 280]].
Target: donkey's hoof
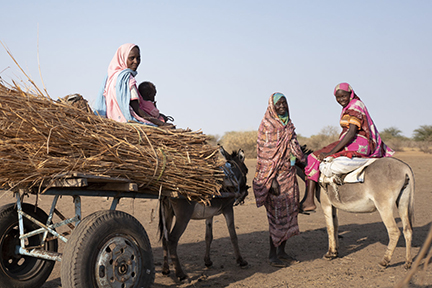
[[330, 255], [407, 265], [181, 276], [242, 263], [383, 264], [165, 271], [208, 263]]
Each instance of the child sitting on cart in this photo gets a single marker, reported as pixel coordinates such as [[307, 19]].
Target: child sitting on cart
[[147, 90]]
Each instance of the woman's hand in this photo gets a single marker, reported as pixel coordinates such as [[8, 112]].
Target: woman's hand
[[347, 139], [275, 188], [135, 106], [322, 156]]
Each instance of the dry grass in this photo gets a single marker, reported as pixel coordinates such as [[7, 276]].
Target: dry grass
[[41, 139], [329, 134], [247, 141]]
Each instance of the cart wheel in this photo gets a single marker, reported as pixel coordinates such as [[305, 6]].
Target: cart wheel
[[108, 249], [18, 270]]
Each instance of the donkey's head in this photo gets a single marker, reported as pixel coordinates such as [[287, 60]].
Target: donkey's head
[[235, 174], [77, 101]]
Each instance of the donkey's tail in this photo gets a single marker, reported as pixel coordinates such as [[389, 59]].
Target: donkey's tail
[[163, 206], [407, 192], [411, 187]]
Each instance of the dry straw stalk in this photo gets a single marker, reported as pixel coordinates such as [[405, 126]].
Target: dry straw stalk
[[41, 139]]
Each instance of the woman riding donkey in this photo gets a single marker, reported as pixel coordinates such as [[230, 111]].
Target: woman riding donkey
[[275, 183], [359, 138]]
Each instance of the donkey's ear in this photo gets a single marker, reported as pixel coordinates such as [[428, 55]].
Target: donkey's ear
[[224, 153], [241, 155]]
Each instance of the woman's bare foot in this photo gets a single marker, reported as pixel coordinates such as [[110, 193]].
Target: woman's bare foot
[[306, 207]]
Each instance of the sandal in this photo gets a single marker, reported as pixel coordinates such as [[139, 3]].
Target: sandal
[[289, 259], [306, 212], [278, 263]]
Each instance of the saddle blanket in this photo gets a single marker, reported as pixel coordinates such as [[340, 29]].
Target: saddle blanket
[[352, 167]]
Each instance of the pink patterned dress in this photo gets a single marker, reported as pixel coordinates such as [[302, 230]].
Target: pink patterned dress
[[367, 142]]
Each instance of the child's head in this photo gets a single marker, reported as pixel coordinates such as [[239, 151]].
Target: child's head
[[147, 91]]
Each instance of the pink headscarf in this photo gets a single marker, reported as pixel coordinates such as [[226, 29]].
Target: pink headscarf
[[378, 148], [118, 64], [345, 87]]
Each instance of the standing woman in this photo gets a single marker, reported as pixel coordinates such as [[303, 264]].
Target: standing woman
[[118, 98], [359, 138], [275, 183]]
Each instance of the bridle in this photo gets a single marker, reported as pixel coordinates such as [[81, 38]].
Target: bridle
[[235, 181]]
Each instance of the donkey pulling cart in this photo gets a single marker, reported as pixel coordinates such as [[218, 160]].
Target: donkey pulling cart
[[108, 248]]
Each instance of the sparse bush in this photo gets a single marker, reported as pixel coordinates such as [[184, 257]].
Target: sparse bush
[[232, 141], [409, 143], [213, 139], [327, 135], [395, 144], [425, 146], [424, 133], [390, 133], [394, 139], [247, 141]]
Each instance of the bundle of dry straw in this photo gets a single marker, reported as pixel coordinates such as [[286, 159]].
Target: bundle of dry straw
[[41, 139]]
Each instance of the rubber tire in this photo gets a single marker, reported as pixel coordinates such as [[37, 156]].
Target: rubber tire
[[17, 270], [80, 268]]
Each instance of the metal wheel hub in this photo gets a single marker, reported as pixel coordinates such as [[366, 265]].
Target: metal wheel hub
[[16, 265], [10, 242], [117, 263]]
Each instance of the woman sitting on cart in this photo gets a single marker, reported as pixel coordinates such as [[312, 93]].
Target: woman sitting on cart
[[118, 97]]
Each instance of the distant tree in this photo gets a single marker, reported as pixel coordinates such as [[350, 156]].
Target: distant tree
[[326, 136], [390, 133], [424, 133], [329, 131]]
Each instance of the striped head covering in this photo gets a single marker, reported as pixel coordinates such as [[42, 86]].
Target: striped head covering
[[276, 97]]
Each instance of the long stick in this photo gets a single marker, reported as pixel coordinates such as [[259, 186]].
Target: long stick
[[425, 248]]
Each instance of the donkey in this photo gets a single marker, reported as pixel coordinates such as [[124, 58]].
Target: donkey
[[233, 192], [388, 182]]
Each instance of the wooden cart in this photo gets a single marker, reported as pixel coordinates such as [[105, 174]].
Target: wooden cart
[[107, 248]]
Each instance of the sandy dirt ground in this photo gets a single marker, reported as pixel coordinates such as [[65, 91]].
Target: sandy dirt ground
[[363, 242]]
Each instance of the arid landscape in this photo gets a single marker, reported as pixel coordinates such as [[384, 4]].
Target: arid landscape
[[362, 243]]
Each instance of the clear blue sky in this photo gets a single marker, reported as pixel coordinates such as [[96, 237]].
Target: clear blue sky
[[215, 63]]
